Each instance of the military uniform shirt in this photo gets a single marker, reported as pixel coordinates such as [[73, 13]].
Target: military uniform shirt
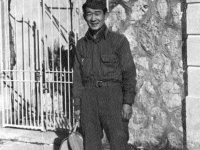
[[104, 57]]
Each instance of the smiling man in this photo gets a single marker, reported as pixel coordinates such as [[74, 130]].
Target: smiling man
[[104, 81]]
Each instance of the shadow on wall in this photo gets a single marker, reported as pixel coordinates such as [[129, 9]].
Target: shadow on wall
[[185, 77]]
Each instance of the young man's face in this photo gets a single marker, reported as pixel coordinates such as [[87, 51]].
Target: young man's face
[[95, 18]]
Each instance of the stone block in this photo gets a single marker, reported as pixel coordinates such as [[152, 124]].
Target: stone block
[[193, 121], [193, 21], [194, 81], [193, 50]]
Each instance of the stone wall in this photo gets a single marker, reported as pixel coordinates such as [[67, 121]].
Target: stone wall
[[153, 28]]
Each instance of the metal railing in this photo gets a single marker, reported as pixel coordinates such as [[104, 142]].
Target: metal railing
[[37, 48]]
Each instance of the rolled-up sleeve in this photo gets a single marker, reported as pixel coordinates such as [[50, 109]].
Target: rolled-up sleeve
[[128, 73]]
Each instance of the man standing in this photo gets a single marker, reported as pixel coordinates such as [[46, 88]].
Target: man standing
[[104, 81]]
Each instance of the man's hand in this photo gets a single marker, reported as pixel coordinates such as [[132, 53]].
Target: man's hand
[[77, 115], [126, 111]]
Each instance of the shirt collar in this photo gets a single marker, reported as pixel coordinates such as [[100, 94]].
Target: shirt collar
[[102, 33]]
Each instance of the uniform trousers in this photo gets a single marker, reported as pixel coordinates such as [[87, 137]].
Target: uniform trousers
[[101, 109]]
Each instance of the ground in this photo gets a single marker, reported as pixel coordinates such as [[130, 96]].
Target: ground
[[21, 139]]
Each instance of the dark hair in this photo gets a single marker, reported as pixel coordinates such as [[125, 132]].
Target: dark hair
[[105, 10]]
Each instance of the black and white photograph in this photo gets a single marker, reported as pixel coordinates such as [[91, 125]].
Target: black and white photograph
[[99, 75]]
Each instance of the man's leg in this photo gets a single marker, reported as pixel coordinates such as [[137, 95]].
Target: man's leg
[[117, 135], [110, 105], [92, 131]]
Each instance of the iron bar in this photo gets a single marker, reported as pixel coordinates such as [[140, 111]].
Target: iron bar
[[58, 8], [23, 126], [23, 87], [41, 61], [15, 74], [8, 45], [60, 69], [52, 62], [66, 72], [2, 29]]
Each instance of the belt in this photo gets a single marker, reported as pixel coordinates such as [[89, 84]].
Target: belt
[[101, 84]]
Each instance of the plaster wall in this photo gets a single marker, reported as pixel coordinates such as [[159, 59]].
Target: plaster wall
[[193, 69]]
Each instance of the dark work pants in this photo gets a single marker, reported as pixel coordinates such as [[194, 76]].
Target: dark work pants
[[101, 108]]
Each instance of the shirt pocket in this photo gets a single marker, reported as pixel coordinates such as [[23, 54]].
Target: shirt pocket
[[109, 63], [86, 65]]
